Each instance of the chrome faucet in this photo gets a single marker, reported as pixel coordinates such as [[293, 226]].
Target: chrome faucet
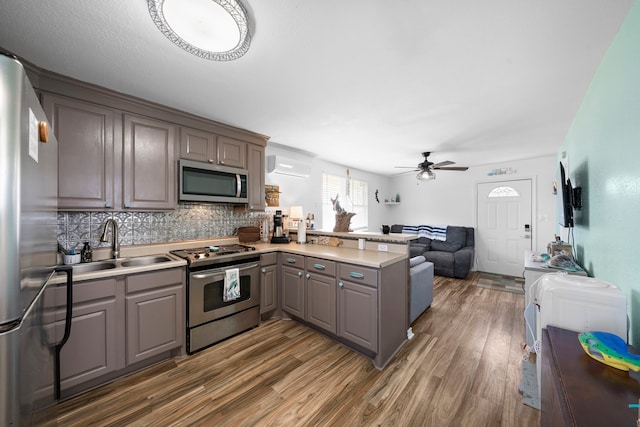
[[115, 246]]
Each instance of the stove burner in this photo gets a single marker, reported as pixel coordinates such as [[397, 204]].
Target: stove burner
[[205, 253]]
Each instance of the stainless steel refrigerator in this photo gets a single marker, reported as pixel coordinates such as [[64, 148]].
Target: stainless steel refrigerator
[[32, 325]]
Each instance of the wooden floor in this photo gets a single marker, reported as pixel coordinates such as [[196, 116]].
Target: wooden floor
[[462, 368]]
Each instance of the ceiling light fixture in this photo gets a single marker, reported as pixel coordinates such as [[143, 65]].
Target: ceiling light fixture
[[426, 175], [211, 29]]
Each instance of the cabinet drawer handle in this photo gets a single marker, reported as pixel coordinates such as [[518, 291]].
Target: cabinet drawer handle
[[356, 275], [319, 266], [291, 260], [340, 285]]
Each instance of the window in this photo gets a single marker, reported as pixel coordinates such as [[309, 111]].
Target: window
[[504, 192], [352, 196]]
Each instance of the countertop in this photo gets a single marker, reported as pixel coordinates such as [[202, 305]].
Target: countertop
[[369, 235], [367, 258]]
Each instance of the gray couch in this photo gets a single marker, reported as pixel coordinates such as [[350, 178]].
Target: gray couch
[[451, 258], [421, 286]]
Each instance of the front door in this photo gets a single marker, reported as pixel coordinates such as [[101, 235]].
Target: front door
[[504, 226]]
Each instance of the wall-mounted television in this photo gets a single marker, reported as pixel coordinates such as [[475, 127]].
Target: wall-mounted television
[[565, 196]]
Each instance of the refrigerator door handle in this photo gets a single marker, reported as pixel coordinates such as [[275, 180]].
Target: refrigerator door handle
[[68, 270]]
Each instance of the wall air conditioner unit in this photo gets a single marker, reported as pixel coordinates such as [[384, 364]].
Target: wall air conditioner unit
[[287, 166]]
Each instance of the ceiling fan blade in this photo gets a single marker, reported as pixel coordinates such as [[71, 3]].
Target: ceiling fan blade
[[445, 163], [406, 167], [455, 168]]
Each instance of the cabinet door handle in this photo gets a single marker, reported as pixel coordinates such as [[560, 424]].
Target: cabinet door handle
[[127, 204], [319, 266], [210, 160], [108, 205], [308, 276], [340, 285], [299, 273], [291, 260], [264, 270], [356, 275]]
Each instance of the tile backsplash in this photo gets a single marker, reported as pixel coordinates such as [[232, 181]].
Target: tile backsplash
[[189, 221]]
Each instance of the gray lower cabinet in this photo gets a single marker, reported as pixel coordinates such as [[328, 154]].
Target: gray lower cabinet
[[321, 293], [118, 324], [358, 314], [365, 307], [268, 282], [95, 346], [155, 313], [293, 289]]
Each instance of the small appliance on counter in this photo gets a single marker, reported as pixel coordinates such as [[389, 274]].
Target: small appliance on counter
[[278, 231]]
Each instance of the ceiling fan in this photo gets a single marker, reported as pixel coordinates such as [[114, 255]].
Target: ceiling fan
[[426, 168]]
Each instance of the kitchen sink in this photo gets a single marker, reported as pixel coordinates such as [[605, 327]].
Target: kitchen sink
[[140, 261], [93, 266], [145, 260]]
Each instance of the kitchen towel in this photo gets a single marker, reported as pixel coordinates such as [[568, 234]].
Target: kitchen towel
[[231, 285]]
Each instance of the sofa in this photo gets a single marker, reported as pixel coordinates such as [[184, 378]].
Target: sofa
[[451, 258], [420, 286]]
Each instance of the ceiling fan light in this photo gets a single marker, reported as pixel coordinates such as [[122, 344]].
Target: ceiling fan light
[[426, 175]]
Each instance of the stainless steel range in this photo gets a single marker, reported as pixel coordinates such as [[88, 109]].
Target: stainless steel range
[[210, 319]]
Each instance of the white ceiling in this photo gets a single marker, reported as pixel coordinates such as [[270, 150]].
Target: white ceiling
[[369, 84]]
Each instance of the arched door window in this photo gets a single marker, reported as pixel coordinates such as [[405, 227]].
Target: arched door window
[[504, 192]]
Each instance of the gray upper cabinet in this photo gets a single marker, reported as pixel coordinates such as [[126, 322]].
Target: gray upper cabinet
[[198, 145], [255, 157], [232, 152], [118, 152], [86, 152], [149, 170]]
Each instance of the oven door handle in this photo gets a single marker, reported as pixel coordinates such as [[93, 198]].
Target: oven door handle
[[217, 271]]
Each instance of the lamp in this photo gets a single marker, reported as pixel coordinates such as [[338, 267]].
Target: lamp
[[426, 175], [211, 29], [296, 214]]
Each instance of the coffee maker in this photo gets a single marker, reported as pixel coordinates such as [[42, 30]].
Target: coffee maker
[[278, 231]]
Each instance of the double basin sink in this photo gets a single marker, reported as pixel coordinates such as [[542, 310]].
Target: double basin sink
[[140, 261]]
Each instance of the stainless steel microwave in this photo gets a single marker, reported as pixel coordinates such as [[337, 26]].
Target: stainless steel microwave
[[204, 182]]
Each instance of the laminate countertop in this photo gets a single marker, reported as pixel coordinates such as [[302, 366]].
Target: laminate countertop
[[367, 258]]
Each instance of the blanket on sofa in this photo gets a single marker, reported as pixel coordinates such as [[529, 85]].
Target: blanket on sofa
[[433, 232]]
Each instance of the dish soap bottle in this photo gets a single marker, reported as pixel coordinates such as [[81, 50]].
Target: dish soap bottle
[[87, 253]]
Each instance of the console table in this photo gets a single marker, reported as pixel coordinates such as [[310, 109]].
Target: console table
[[580, 391]]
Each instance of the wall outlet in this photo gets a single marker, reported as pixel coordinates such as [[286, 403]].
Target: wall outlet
[[383, 248]]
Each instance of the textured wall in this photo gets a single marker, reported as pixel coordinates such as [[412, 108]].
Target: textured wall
[[603, 149], [188, 221]]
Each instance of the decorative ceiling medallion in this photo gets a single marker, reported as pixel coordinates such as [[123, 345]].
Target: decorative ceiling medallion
[[232, 7]]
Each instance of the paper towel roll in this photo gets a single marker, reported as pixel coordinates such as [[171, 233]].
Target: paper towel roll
[[302, 232]]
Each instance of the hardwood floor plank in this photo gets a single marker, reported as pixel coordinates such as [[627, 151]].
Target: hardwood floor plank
[[461, 368]]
